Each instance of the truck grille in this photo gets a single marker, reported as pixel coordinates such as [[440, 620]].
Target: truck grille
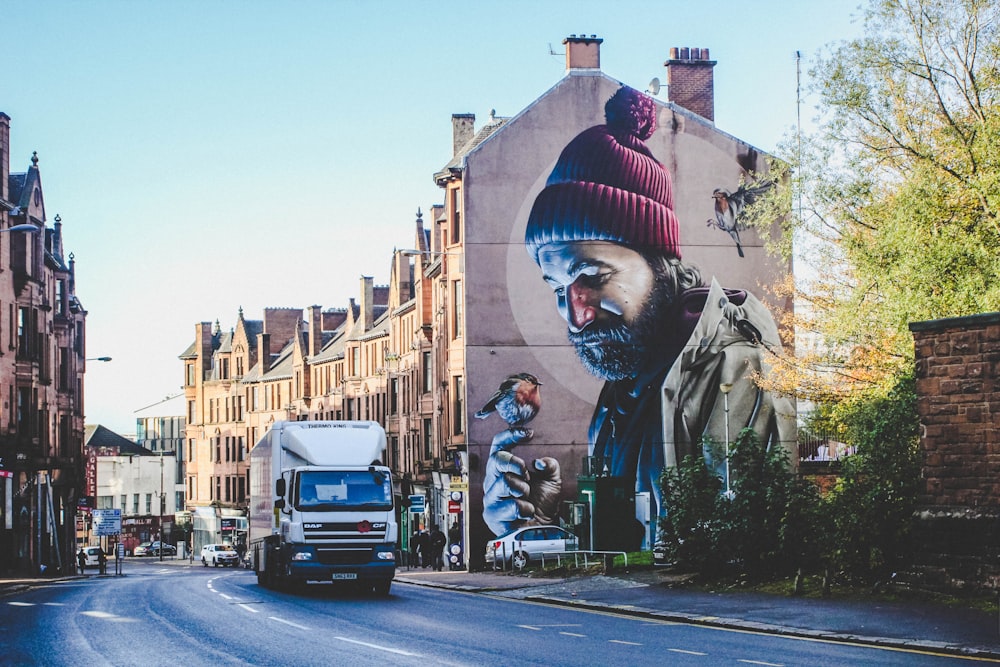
[[344, 556], [344, 533]]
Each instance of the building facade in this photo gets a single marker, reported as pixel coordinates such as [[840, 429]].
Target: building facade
[[467, 308], [42, 365]]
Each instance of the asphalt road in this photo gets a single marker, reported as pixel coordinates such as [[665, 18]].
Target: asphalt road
[[162, 615]]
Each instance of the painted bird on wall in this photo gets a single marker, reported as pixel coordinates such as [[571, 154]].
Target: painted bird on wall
[[517, 401], [729, 208]]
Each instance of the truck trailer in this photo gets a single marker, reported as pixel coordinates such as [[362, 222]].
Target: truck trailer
[[321, 506]]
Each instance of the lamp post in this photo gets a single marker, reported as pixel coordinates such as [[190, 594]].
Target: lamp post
[[26, 227], [161, 505], [98, 359], [725, 388]]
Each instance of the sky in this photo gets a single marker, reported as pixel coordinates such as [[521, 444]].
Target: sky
[[209, 156]]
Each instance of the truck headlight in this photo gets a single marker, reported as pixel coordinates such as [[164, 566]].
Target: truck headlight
[[385, 554], [302, 555]]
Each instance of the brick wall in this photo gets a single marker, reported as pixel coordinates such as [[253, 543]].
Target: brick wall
[[958, 400]]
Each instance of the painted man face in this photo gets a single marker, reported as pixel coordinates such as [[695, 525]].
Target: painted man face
[[605, 292]]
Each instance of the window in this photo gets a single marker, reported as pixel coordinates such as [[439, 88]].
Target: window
[[428, 371], [456, 219], [135, 503], [105, 502], [456, 309], [60, 295], [458, 405], [149, 503], [428, 439]]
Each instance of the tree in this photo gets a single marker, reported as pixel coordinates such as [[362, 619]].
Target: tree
[[895, 199]]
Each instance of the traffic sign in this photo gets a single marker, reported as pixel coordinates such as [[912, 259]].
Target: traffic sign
[[418, 504], [107, 522]]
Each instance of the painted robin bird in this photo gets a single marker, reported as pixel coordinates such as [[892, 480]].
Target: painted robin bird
[[729, 208], [517, 401]]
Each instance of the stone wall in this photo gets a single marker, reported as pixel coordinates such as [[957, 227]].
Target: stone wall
[[958, 400]]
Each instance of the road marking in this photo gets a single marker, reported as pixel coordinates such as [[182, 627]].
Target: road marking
[[620, 641], [680, 650], [766, 664], [54, 604], [529, 627], [98, 614], [294, 625], [376, 646], [21, 604], [226, 597], [248, 608], [572, 634]]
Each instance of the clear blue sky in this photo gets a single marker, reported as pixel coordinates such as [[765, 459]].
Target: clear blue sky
[[206, 156]]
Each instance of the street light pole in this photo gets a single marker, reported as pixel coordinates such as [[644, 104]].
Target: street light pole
[[725, 388], [161, 505]]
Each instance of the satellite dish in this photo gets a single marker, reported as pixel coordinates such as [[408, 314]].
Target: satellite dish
[[654, 86]]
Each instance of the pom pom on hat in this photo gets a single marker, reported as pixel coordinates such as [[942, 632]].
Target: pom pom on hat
[[607, 186]]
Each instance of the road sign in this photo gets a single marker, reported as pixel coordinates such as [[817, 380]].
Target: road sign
[[107, 522], [417, 504]]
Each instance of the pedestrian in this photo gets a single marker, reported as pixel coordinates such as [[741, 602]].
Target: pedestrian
[[437, 544], [424, 548], [81, 559]]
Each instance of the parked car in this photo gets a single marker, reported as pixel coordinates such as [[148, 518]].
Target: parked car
[[522, 545], [219, 554], [93, 556], [660, 554], [168, 549], [143, 549]]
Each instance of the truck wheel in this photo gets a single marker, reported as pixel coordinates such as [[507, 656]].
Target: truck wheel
[[381, 588]]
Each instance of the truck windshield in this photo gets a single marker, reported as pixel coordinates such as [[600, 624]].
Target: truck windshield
[[357, 489]]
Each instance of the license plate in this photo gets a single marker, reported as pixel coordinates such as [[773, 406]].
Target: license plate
[[344, 575]]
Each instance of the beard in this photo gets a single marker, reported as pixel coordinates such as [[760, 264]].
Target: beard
[[617, 349]]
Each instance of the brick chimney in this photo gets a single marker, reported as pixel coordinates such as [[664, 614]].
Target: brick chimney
[[583, 52], [315, 330], [691, 81], [463, 128]]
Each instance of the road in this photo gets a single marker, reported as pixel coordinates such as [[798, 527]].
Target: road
[[159, 614]]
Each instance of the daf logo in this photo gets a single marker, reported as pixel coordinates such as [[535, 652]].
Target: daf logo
[[312, 525]]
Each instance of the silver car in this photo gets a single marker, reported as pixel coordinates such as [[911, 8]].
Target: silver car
[[522, 545]]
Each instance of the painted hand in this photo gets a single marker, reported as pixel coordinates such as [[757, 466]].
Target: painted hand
[[505, 487]]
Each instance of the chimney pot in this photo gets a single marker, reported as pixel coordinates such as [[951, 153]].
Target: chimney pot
[[685, 53], [673, 53]]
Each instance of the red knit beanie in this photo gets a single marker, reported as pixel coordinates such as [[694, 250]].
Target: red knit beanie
[[607, 186]]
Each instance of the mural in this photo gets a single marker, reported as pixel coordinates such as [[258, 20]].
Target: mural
[[729, 208], [676, 352]]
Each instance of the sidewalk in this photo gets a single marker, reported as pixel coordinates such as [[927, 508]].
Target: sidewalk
[[648, 593]]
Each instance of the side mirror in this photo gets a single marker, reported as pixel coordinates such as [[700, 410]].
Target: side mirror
[[279, 503], [279, 487]]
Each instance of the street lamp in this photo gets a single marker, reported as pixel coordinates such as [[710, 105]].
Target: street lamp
[[725, 388], [24, 227], [98, 359]]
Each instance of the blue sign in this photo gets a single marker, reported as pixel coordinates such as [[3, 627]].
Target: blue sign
[[417, 504]]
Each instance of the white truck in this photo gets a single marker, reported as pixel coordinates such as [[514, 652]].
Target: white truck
[[321, 506]]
